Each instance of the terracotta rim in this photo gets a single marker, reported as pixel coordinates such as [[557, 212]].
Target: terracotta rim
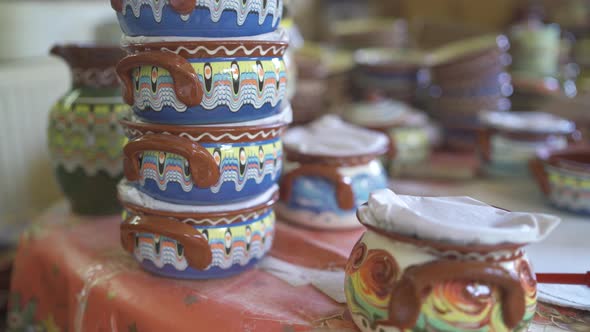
[[89, 55], [442, 246], [211, 134], [196, 216], [568, 158]]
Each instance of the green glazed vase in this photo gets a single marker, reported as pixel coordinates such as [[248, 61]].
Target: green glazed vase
[[85, 138]]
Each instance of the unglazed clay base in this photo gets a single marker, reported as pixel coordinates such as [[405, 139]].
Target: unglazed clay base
[[324, 220]]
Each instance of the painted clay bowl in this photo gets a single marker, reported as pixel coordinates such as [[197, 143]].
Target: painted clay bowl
[[508, 140], [198, 18], [564, 177], [322, 191], [204, 82], [201, 165], [191, 242], [399, 283]]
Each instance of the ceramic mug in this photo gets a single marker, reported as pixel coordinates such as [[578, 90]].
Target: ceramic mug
[[202, 165], [198, 18], [197, 242], [399, 283], [324, 192], [564, 177], [204, 82]]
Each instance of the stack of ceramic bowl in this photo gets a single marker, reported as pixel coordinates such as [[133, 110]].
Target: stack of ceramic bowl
[[469, 76], [387, 73], [331, 169], [410, 132], [206, 81]]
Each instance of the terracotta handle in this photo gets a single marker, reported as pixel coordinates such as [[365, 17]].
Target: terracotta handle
[[409, 292], [186, 81], [204, 170], [344, 194], [537, 168], [484, 137], [197, 251]]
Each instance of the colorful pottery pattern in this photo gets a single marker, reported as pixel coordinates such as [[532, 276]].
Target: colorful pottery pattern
[[235, 247], [247, 169], [570, 190], [457, 306], [314, 200], [209, 18], [232, 91], [87, 135]]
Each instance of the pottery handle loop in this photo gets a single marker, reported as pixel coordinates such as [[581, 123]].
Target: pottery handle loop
[[186, 81], [344, 193], [409, 292], [204, 170], [484, 137], [197, 251], [537, 168]]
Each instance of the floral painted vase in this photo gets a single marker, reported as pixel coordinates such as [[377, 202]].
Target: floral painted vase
[[401, 280], [331, 167], [198, 18], [85, 138], [203, 81], [196, 242]]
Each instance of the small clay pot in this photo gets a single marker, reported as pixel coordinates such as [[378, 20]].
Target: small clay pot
[[564, 177], [203, 165], [195, 82], [191, 242], [192, 18]]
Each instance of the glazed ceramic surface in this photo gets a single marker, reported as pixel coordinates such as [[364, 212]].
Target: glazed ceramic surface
[[322, 188], [203, 165], [425, 264], [564, 177], [85, 137], [510, 140], [535, 49], [196, 242], [202, 18], [204, 82]]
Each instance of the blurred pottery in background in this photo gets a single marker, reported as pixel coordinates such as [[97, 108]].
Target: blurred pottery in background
[[85, 138], [204, 165], [564, 177], [420, 254], [196, 242], [535, 49], [198, 18], [353, 34], [533, 94], [330, 170], [387, 73], [510, 139], [197, 81], [410, 133]]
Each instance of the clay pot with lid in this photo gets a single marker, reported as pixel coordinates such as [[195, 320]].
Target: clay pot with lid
[[564, 177], [193, 18], [196, 242], [85, 137], [202, 81], [398, 277], [508, 140], [204, 165], [331, 167]]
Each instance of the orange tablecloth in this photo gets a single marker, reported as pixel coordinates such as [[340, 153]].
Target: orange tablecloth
[[71, 274]]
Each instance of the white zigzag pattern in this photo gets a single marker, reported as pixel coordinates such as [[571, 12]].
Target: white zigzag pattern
[[132, 132], [229, 52], [253, 215]]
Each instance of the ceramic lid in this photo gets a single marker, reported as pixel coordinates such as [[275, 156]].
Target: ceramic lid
[[329, 136], [457, 220], [530, 122], [383, 114], [128, 194]]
